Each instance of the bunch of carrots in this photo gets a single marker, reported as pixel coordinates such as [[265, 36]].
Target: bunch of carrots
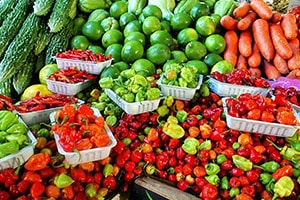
[[264, 41]]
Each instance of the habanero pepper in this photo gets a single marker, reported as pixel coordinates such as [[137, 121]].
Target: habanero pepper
[[283, 171], [283, 187], [63, 180], [286, 152], [242, 162], [37, 162]]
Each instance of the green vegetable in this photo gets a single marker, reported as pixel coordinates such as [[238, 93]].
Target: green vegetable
[[42, 7], [129, 97], [109, 23], [283, 187], [109, 109], [20, 139], [181, 115], [234, 192], [43, 38], [58, 18], [111, 120], [221, 158], [190, 145], [172, 129], [270, 166], [166, 7], [12, 24], [8, 120], [106, 82], [168, 101], [3, 135], [224, 7], [6, 6], [153, 93], [287, 153], [212, 168], [242, 162], [6, 87], [224, 183], [295, 137], [140, 80], [127, 73], [213, 179], [265, 178], [136, 6], [296, 145], [140, 96], [73, 9], [8, 148], [43, 132], [207, 145], [88, 6], [185, 6], [90, 190], [63, 180], [162, 110], [17, 128], [187, 74], [19, 49], [98, 15], [270, 185], [107, 170]]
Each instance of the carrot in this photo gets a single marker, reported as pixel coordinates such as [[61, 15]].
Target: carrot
[[280, 64], [242, 9], [241, 62], [246, 21], [295, 74], [270, 70], [245, 43], [229, 23], [255, 71], [254, 59], [280, 43], [276, 17], [231, 50], [261, 35], [294, 61], [289, 26], [262, 9]]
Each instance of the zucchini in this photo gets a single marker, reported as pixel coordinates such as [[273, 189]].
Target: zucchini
[[6, 88], [59, 42], [59, 15], [12, 24], [22, 79], [42, 7], [19, 49], [6, 6], [43, 39]]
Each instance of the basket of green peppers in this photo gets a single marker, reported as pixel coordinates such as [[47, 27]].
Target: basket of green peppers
[[132, 92], [180, 81], [16, 140]]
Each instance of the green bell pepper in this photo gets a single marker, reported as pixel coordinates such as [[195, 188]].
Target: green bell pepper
[[187, 74], [129, 97], [207, 145], [18, 138], [153, 93], [18, 128], [104, 98], [212, 168], [127, 73], [43, 132], [295, 145], [106, 82], [140, 80], [221, 158], [213, 179], [109, 109], [8, 148], [265, 178], [111, 120], [283, 187], [121, 90], [190, 145], [242, 162], [8, 120], [140, 96], [99, 105], [63, 180], [182, 82], [181, 115]]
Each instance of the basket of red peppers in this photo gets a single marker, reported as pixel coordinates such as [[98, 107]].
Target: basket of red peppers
[[93, 63], [259, 114], [81, 134], [69, 81]]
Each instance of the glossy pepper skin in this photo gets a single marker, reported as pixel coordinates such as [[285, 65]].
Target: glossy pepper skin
[[20, 139], [37, 161], [8, 120], [63, 180], [283, 187], [17, 128], [8, 148], [242, 162], [270, 166], [181, 115]]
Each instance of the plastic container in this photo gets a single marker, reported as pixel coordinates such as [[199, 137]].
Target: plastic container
[[89, 66], [227, 89], [255, 126], [31, 118], [135, 107], [67, 88], [86, 155], [182, 93], [19, 158]]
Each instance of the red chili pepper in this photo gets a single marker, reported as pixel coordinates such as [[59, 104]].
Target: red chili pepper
[[31, 177], [37, 189], [283, 171], [234, 182], [209, 191], [37, 161]]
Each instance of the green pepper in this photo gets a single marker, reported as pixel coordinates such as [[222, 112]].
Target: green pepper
[[182, 82], [212, 168], [224, 7], [90, 190], [287, 153], [106, 82], [109, 23], [242, 162], [295, 137], [172, 129], [190, 145], [127, 73], [162, 110], [295, 145], [63, 180], [213, 179], [129, 97], [118, 110], [187, 74], [111, 120], [234, 192], [99, 105], [18, 128], [153, 93], [192, 84], [181, 115], [296, 172], [221, 158], [270, 166], [283, 187], [18, 138], [224, 184], [103, 97], [207, 145], [140, 80], [3, 113], [173, 120], [265, 178], [109, 109], [140, 96], [3, 135], [270, 185], [120, 91], [168, 101], [8, 120], [8, 148], [107, 170], [135, 88], [43, 132]]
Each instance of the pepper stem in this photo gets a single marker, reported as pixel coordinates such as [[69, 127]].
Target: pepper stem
[[16, 172], [275, 145]]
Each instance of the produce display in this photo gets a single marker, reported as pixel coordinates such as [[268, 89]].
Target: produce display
[[94, 142]]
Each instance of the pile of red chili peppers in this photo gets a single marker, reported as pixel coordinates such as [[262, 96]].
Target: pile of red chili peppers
[[84, 55]]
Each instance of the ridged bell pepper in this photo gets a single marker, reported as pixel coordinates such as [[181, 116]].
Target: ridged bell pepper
[[190, 145], [212, 168], [153, 93], [181, 115], [213, 179], [283, 187], [106, 82], [172, 128]]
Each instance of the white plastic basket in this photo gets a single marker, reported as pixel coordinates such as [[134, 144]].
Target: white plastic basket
[[227, 89], [19, 158], [90, 66], [182, 93], [67, 88], [39, 116], [86, 155], [255, 126], [135, 107]]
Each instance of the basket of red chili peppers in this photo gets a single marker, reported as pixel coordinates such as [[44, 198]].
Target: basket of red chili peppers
[[81, 134], [69, 81], [258, 114], [93, 63]]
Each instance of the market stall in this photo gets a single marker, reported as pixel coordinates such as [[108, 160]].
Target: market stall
[[146, 99]]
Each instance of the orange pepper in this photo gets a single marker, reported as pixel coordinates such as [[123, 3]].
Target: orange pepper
[[193, 131], [87, 166], [152, 134], [245, 139]]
